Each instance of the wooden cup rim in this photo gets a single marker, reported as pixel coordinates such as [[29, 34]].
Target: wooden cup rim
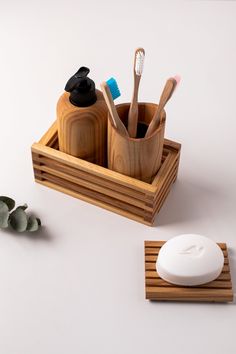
[[144, 139]]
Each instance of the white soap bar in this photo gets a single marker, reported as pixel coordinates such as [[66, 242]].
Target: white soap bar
[[189, 260]]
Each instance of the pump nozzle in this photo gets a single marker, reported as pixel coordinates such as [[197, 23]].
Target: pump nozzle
[[81, 88]]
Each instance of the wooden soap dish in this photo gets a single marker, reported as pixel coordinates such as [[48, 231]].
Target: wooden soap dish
[[219, 290]]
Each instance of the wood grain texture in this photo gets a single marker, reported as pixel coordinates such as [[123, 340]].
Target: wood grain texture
[[133, 109], [113, 115], [51, 136], [137, 158], [100, 186], [82, 131], [219, 290], [165, 96], [91, 168]]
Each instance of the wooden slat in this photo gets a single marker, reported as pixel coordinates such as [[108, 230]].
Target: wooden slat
[[163, 195], [84, 176], [169, 178], [185, 294], [158, 244], [154, 251], [92, 168], [223, 284], [172, 145], [157, 289], [152, 258], [155, 244], [152, 266], [165, 186], [153, 274], [165, 168], [164, 192], [50, 137]]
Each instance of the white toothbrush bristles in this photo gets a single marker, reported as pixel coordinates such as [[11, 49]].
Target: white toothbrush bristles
[[139, 61]]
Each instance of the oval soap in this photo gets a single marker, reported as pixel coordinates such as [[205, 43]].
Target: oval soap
[[189, 260]]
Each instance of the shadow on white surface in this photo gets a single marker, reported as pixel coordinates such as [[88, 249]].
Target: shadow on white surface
[[188, 201], [42, 234]]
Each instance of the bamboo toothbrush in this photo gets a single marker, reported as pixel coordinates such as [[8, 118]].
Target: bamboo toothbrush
[[165, 96], [111, 91], [133, 110]]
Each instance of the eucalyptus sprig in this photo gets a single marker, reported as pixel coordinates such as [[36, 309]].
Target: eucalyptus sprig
[[17, 218]]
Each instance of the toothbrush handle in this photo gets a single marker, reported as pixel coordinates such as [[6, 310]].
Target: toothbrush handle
[[165, 96], [133, 110], [113, 116]]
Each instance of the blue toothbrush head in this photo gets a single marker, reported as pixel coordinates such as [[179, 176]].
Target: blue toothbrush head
[[114, 89]]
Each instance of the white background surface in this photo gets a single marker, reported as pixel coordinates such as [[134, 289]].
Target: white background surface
[[78, 287]]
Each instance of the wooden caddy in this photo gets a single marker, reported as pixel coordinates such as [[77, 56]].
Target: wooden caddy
[[127, 196], [219, 290]]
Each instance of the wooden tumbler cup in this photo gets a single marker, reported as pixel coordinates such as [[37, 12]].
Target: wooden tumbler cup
[[139, 158]]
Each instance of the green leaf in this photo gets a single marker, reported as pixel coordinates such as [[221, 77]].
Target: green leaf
[[33, 224], [24, 207], [18, 220], [4, 214], [9, 202]]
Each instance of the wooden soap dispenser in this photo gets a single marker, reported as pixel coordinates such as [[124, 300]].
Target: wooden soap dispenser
[[82, 119]]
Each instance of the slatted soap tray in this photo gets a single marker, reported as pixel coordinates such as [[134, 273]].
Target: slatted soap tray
[[219, 290], [98, 185]]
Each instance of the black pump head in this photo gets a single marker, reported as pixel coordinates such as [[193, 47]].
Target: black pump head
[[81, 88]]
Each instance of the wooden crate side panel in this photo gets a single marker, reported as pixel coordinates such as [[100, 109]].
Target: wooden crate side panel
[[42, 170], [163, 181], [165, 192], [92, 168], [148, 211], [169, 178], [158, 203], [165, 169], [95, 181], [172, 145], [109, 189]]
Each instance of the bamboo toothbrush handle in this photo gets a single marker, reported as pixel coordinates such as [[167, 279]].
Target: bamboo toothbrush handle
[[114, 118], [133, 110], [165, 96], [139, 56]]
